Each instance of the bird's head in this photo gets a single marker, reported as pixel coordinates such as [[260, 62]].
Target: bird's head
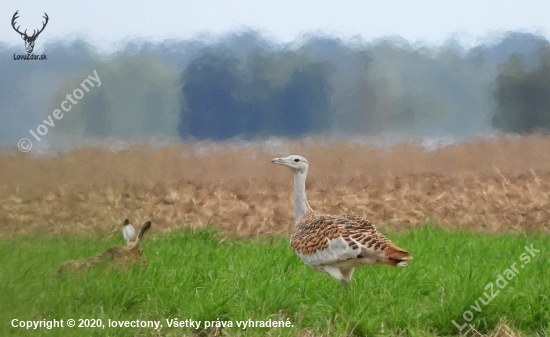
[[297, 164]]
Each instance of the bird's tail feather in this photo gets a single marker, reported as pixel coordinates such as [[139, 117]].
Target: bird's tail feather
[[398, 256]]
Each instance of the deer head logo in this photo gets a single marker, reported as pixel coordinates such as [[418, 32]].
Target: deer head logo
[[29, 40]]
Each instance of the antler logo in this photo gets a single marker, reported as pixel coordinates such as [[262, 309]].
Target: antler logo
[[29, 40]]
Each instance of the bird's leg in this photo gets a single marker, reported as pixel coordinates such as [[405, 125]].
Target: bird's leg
[[345, 283], [336, 273], [347, 274]]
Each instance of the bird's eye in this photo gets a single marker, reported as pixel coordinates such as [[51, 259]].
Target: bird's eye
[[296, 160]]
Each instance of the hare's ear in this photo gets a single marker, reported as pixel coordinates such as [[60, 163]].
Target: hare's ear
[[129, 232], [145, 228]]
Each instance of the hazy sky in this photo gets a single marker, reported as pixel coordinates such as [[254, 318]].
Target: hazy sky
[[106, 23]]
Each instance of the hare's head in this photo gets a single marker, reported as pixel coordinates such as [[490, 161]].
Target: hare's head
[[132, 252]]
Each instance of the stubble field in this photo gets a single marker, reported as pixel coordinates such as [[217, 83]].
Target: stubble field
[[495, 185], [475, 205]]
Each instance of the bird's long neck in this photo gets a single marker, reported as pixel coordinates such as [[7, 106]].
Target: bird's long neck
[[301, 206]]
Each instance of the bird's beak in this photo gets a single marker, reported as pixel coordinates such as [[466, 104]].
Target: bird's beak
[[277, 160]]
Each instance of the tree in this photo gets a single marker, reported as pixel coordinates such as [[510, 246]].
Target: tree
[[523, 96], [211, 109]]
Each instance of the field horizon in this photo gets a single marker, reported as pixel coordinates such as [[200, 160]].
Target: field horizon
[[491, 185]]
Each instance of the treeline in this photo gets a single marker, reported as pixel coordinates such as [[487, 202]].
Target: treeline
[[327, 86], [281, 93], [245, 86], [523, 94]]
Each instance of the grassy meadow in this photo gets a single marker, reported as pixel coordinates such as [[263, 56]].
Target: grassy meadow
[[218, 250], [208, 276]]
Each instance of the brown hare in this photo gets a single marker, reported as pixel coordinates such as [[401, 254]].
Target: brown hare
[[120, 255]]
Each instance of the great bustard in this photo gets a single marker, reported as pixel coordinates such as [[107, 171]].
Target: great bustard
[[335, 244]]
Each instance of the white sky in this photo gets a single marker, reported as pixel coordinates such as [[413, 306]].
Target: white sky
[[106, 23]]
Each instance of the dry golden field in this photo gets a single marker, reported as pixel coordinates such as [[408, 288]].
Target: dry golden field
[[494, 185]]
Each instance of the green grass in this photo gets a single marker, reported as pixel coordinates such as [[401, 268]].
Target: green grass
[[191, 275]]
